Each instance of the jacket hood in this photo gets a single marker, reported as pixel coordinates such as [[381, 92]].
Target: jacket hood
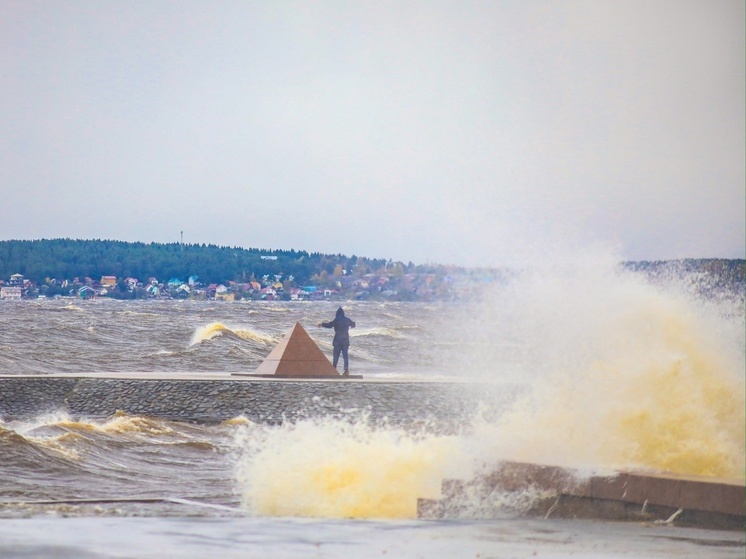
[[340, 312]]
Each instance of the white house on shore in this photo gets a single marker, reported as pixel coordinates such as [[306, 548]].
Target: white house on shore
[[10, 292]]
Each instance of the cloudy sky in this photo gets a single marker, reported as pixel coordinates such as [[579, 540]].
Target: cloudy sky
[[444, 131]]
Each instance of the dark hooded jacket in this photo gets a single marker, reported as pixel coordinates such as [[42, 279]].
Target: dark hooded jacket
[[341, 325]]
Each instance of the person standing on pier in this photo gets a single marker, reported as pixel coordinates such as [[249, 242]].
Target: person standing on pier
[[341, 342]]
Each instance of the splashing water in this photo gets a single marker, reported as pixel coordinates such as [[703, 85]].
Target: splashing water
[[343, 469], [629, 376], [622, 374]]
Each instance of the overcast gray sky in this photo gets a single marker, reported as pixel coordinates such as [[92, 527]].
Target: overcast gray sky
[[453, 132]]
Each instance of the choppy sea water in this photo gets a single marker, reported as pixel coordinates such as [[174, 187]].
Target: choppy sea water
[[612, 372]]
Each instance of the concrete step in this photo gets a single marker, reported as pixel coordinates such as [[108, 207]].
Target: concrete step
[[564, 492]]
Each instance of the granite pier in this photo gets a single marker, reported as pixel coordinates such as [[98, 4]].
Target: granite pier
[[212, 398]]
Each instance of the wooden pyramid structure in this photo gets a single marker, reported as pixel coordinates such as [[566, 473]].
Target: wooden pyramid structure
[[297, 356]]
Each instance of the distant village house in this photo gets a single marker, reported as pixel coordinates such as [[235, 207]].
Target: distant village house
[[10, 292]]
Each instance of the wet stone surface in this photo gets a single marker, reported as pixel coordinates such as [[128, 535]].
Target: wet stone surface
[[265, 401]]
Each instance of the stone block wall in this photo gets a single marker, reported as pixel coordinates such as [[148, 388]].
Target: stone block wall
[[265, 401]]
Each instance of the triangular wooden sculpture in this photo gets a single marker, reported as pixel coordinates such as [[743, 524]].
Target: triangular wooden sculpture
[[297, 355]]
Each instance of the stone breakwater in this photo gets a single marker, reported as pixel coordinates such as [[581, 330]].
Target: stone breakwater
[[261, 401]]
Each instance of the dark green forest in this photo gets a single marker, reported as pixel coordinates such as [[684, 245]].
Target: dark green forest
[[38, 260]]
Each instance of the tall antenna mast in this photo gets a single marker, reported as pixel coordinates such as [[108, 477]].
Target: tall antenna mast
[[182, 241]]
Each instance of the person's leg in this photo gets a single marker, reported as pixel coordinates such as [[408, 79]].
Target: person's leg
[[337, 349], [345, 357]]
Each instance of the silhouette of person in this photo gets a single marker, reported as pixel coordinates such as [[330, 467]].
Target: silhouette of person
[[341, 342]]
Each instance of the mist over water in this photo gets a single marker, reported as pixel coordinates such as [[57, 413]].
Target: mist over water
[[623, 373]]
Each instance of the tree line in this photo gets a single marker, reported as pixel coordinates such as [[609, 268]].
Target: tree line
[[39, 260]]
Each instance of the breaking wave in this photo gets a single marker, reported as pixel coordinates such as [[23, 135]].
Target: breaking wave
[[216, 329], [383, 332], [330, 467]]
